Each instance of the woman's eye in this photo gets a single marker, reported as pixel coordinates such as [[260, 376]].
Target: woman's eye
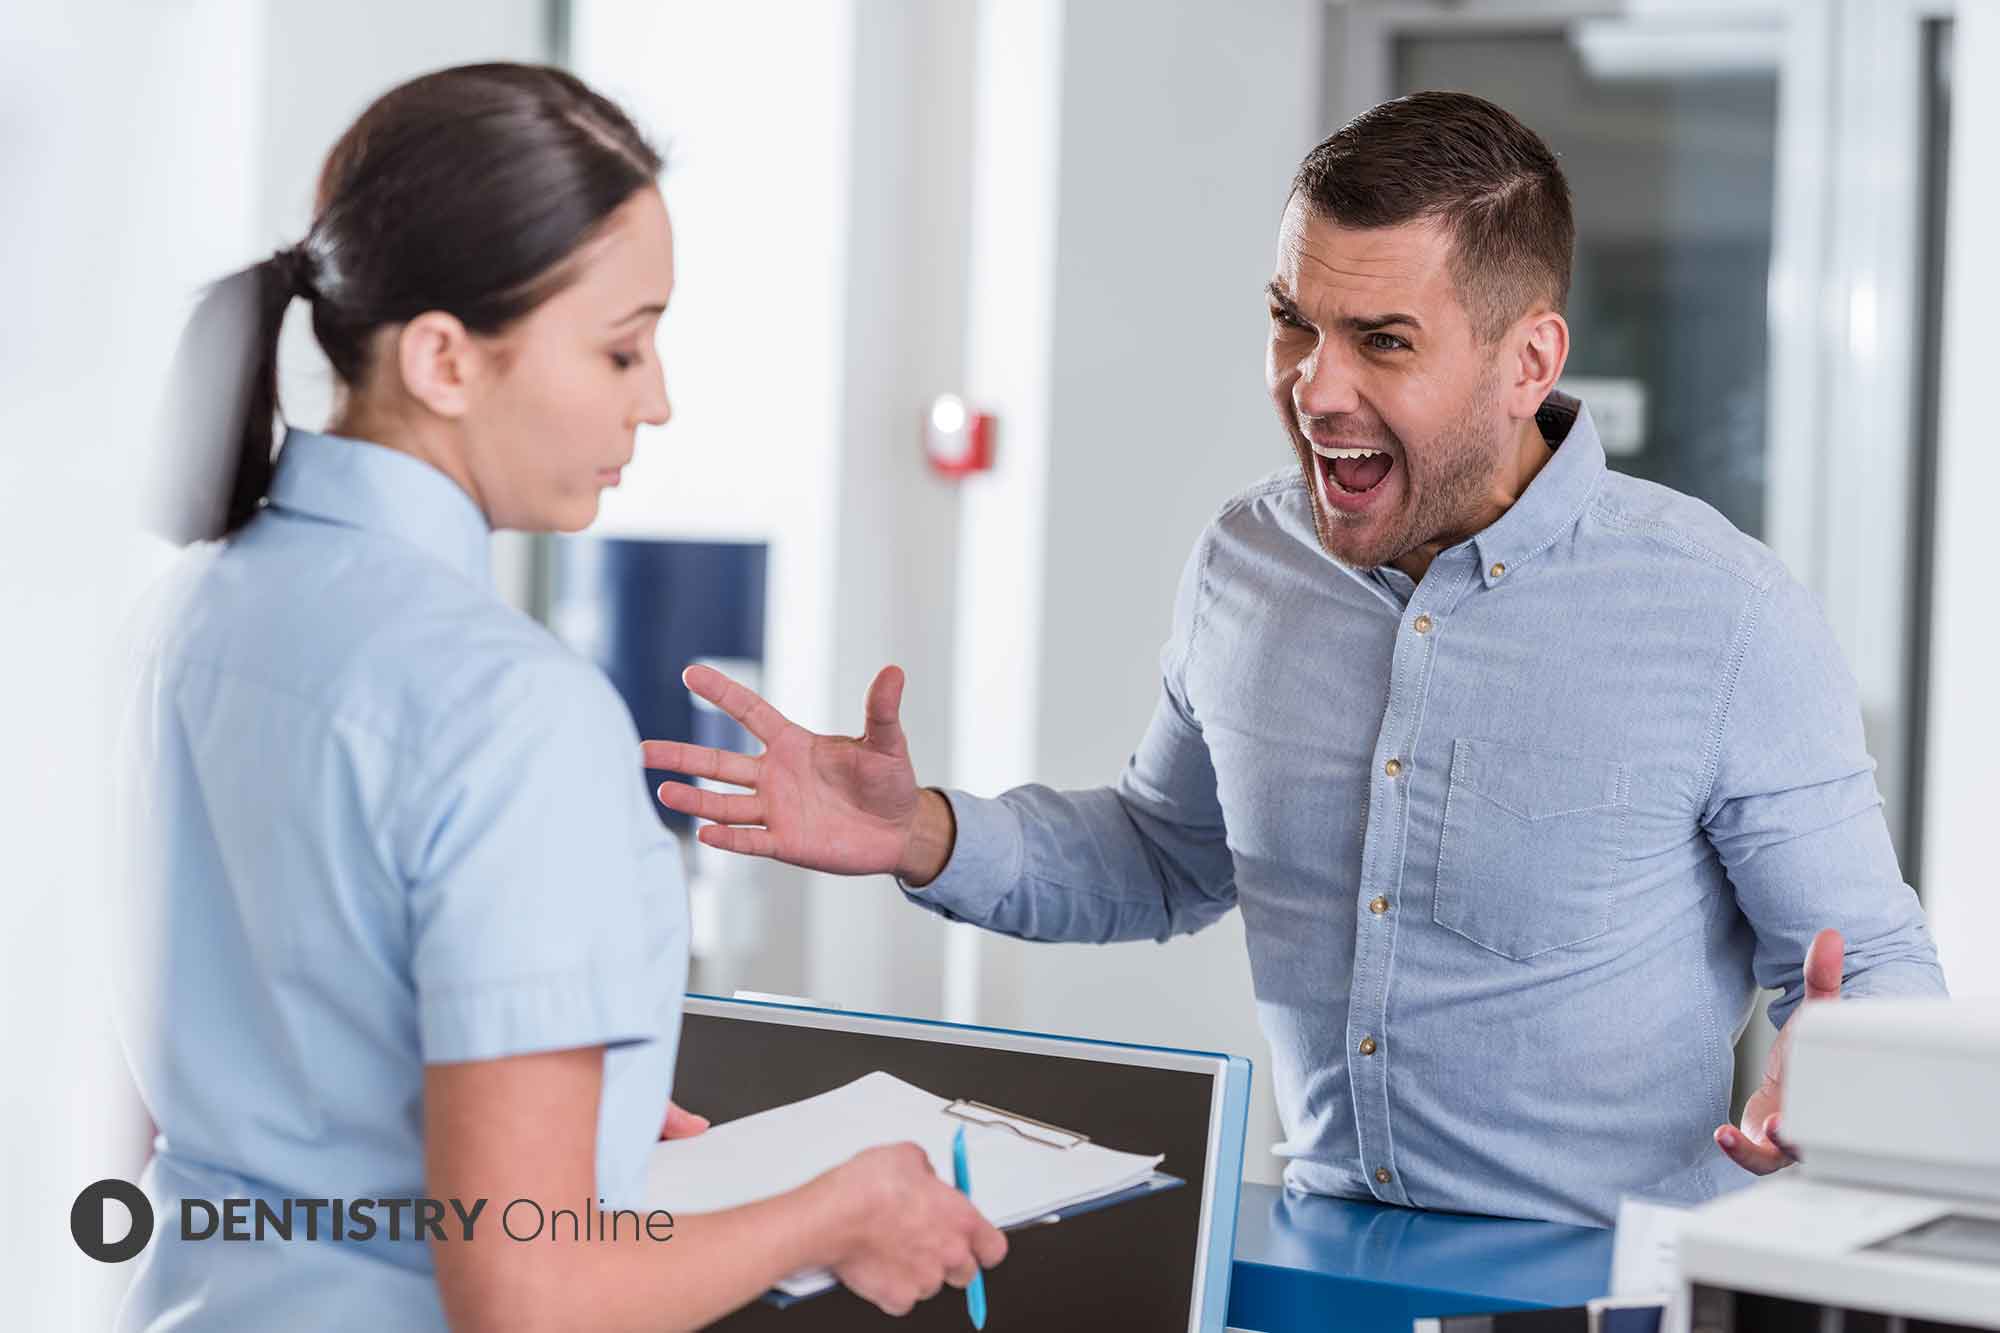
[[624, 360]]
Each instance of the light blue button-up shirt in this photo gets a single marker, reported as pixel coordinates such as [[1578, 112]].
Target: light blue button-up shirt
[[381, 820], [1514, 845]]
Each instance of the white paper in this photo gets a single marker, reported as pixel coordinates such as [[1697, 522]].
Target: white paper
[[1013, 1180]]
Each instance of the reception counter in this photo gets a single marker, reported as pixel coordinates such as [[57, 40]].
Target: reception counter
[[1305, 1262]]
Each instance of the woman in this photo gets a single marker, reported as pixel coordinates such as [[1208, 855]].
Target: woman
[[414, 929]]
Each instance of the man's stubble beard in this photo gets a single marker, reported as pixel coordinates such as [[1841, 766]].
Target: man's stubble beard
[[1459, 471]]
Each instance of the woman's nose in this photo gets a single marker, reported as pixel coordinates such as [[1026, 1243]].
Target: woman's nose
[[655, 409]]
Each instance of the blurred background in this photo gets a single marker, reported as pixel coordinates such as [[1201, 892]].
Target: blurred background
[[1063, 213]]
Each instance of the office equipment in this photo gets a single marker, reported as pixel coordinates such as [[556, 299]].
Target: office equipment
[[1035, 1170], [961, 1171], [1645, 1258], [1892, 1218], [1158, 1259]]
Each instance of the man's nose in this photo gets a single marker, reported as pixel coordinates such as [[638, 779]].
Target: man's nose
[[1325, 386]]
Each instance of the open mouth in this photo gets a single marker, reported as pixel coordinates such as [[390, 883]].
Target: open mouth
[[1352, 472]]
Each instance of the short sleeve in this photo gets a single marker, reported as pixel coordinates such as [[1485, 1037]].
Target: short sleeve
[[541, 886]]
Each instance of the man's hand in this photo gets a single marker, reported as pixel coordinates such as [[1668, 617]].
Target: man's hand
[[1758, 1146], [846, 804]]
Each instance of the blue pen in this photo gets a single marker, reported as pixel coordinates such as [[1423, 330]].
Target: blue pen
[[975, 1295]]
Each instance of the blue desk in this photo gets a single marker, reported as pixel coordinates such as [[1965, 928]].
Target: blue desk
[[1339, 1266]]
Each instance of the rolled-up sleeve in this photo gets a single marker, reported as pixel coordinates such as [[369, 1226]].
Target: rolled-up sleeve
[[1145, 859], [536, 877], [1794, 813]]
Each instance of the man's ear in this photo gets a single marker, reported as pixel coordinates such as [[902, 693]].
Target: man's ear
[[439, 360], [1539, 347]]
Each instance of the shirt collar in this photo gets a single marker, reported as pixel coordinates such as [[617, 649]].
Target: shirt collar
[[1554, 498], [378, 489]]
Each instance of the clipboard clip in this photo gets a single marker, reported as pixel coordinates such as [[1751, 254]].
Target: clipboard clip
[[1027, 1127]]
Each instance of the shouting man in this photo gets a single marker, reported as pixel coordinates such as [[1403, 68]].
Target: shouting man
[[1525, 774]]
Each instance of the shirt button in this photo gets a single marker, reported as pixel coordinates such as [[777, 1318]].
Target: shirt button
[[1393, 767], [1497, 570], [1378, 905], [1381, 1175], [1368, 1046], [1422, 624]]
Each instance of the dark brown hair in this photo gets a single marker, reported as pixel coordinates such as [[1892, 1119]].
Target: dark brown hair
[[1463, 163], [464, 191]]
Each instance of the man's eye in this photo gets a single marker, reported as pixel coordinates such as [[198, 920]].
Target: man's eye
[[1386, 342], [1287, 318]]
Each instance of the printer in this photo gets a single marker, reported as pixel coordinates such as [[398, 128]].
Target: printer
[[1891, 1220]]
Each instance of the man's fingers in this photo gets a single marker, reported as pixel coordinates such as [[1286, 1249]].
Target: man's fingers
[[1824, 960], [746, 841], [885, 701], [738, 700], [722, 807], [1774, 1135], [699, 761], [1759, 1158]]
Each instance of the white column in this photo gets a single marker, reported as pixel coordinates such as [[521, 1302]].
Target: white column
[[1962, 784]]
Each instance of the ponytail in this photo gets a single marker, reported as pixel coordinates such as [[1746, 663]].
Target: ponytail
[[214, 465]]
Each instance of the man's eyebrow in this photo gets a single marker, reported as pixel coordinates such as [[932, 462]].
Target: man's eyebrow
[[643, 310], [1351, 323], [1374, 323], [1280, 297]]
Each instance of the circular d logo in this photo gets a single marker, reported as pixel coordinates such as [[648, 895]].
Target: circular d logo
[[86, 1221]]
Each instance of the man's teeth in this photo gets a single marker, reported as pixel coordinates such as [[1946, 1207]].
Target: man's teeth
[[1344, 453]]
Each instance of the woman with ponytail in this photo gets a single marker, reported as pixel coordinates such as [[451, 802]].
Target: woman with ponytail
[[411, 928]]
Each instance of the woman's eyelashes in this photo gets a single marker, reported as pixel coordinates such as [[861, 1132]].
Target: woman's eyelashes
[[624, 360]]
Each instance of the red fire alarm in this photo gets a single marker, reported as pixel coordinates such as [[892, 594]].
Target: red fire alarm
[[957, 440]]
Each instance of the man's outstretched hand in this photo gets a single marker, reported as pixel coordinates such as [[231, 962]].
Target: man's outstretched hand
[[1758, 1145], [845, 804]]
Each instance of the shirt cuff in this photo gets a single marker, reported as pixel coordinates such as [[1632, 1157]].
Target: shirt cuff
[[985, 864], [554, 1012]]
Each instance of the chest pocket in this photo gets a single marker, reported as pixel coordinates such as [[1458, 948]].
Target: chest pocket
[[1530, 848]]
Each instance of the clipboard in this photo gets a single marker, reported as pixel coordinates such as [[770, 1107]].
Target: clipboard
[[1040, 1132]]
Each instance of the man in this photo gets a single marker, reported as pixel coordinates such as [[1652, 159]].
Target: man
[[1524, 773]]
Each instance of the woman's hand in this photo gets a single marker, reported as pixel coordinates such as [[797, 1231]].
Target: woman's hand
[[682, 1123], [910, 1232], [845, 804]]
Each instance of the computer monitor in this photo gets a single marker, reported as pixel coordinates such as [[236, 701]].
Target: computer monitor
[[1159, 1262]]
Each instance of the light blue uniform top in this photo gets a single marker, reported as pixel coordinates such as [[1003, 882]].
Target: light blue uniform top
[[383, 820], [1515, 845]]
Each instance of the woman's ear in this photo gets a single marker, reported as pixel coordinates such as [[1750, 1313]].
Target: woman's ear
[[1541, 344], [438, 359]]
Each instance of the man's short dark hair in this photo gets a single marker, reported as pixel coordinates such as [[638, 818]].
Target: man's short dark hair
[[1463, 163]]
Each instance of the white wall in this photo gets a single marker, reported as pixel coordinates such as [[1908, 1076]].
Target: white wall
[[1961, 882], [1180, 125], [896, 544]]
